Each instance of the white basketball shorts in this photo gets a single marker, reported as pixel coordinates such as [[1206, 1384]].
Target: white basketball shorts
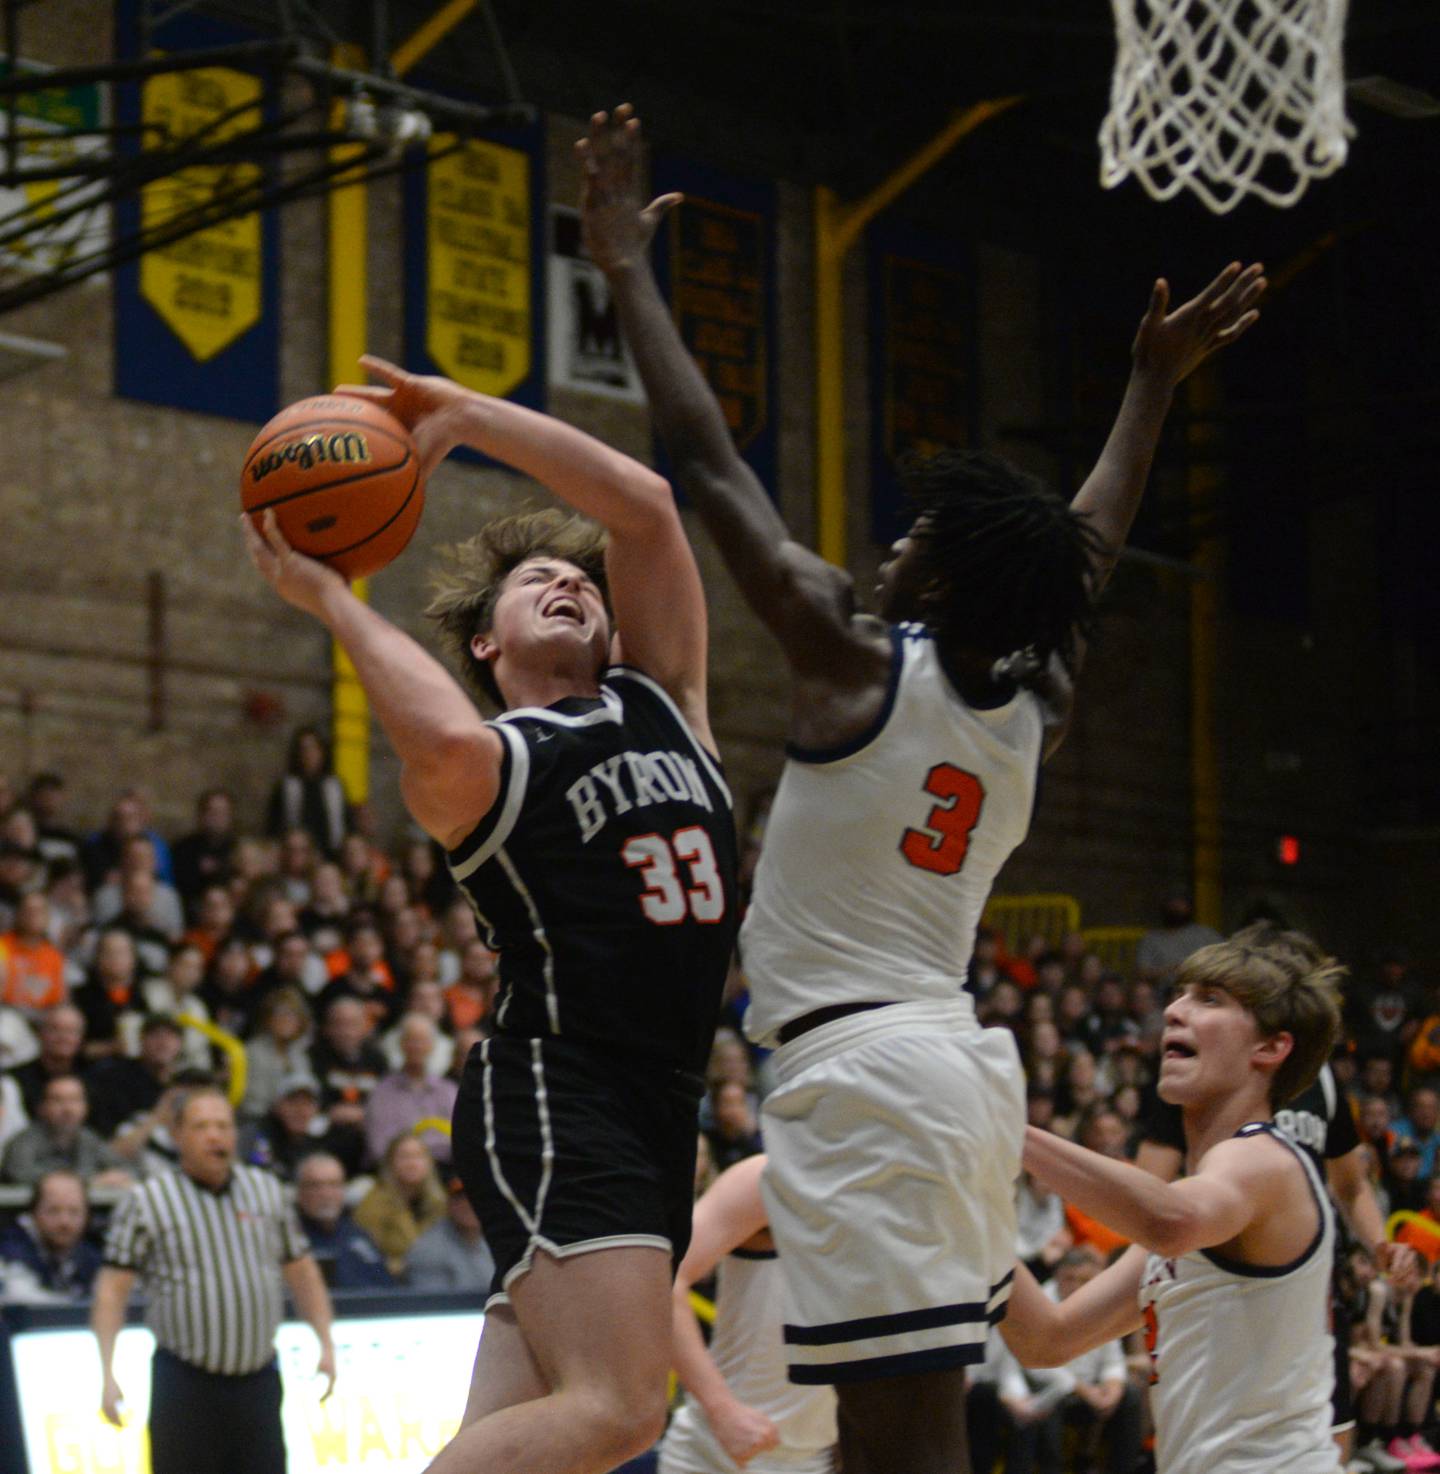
[[894, 1141]]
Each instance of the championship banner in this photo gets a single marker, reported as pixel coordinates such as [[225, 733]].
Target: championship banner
[[57, 126], [715, 262], [197, 321], [474, 264], [588, 355], [923, 369]]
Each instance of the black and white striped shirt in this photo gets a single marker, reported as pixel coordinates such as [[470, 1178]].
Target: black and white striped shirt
[[211, 1263]]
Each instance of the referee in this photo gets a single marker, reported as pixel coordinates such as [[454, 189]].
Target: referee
[[216, 1244]]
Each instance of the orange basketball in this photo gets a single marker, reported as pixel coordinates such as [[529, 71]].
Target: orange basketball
[[343, 477]]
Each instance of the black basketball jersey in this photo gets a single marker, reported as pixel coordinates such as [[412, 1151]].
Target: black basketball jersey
[[1318, 1119], [604, 874]]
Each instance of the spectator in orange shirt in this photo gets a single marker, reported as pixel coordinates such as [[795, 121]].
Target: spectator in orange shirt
[[1102, 1130], [214, 919], [32, 968], [1424, 1237], [360, 971], [1424, 1056], [470, 997]]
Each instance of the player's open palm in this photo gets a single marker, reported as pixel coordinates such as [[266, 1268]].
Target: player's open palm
[[617, 226], [298, 580], [743, 1432], [1171, 344]]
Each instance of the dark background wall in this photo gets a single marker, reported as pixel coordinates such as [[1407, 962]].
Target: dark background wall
[[1319, 452]]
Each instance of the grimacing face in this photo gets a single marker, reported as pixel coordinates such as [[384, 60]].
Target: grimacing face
[[547, 607]]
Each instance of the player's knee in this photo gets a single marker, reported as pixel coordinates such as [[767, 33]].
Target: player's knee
[[619, 1424]]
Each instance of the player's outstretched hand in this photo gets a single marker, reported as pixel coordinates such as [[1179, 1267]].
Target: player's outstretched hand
[[743, 1432], [298, 580], [430, 407], [618, 226], [1170, 345]]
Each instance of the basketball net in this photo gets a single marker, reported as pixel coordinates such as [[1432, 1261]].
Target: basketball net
[[1227, 98]]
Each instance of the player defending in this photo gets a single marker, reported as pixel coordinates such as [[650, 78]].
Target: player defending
[[740, 1409], [591, 829], [894, 1133], [1229, 1268]]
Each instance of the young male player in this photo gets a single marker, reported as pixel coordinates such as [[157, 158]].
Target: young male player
[[1229, 1268], [894, 1132], [740, 1409], [1319, 1120], [591, 829]]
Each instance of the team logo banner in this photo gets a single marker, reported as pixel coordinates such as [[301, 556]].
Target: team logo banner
[[197, 318], [922, 373], [474, 247], [716, 265]]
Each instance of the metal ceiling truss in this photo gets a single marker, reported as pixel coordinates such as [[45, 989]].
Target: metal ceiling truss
[[307, 106]]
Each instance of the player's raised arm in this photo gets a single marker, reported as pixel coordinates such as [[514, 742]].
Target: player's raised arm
[[451, 759], [655, 587], [1042, 1332], [730, 1213], [1168, 347], [804, 600]]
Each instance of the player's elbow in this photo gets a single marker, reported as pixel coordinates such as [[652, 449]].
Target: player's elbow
[[642, 500], [1173, 1229], [1034, 1345]]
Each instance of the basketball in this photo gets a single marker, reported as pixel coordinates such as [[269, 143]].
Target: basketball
[[343, 478]]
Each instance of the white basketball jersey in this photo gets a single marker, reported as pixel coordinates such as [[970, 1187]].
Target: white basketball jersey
[[1242, 1359], [879, 857], [748, 1348]]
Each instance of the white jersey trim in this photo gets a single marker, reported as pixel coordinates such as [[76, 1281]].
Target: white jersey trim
[[629, 673], [511, 802], [537, 930], [570, 1251]]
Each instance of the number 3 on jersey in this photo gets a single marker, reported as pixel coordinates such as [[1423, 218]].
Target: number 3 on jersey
[[942, 844], [666, 901]]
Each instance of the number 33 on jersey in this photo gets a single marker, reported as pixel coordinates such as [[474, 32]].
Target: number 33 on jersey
[[604, 875]]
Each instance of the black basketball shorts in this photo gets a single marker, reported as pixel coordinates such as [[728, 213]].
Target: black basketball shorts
[[1342, 1404], [566, 1147]]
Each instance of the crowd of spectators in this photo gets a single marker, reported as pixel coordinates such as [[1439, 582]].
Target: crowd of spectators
[[356, 983], [333, 987]]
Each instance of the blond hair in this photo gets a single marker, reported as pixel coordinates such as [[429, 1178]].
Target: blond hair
[[1290, 987], [468, 582]]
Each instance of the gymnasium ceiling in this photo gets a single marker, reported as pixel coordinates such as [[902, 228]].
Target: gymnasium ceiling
[[833, 90]]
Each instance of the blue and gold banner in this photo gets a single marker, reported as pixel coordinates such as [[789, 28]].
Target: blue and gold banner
[[475, 264], [923, 363], [716, 265], [197, 319]]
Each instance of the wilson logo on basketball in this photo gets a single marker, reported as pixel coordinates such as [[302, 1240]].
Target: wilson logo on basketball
[[346, 448]]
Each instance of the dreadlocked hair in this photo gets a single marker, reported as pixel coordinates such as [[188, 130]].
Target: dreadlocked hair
[[1007, 566], [471, 574]]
